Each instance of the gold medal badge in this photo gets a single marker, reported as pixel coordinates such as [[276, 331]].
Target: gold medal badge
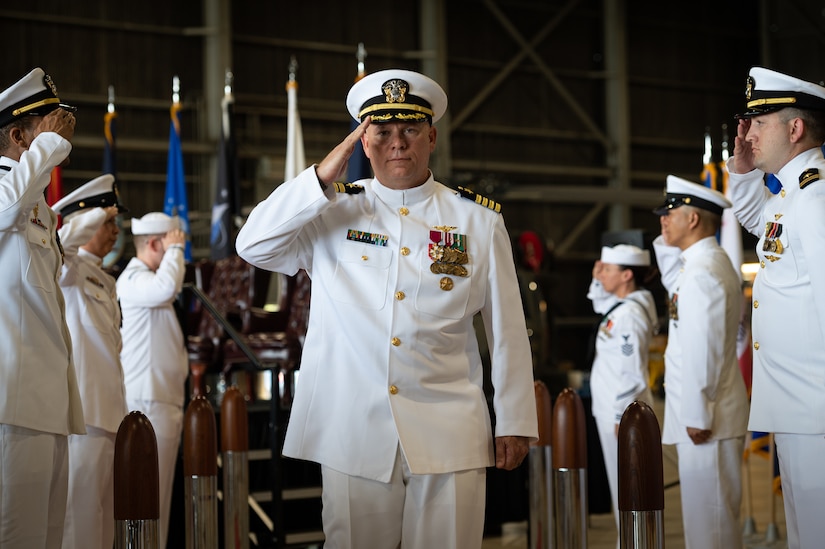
[[448, 252]]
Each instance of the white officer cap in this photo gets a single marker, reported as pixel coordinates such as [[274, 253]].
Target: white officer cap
[[396, 95], [768, 91], [681, 192], [100, 192], [33, 95], [154, 223], [626, 255]]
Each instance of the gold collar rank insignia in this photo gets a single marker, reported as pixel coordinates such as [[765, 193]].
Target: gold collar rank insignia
[[808, 177]]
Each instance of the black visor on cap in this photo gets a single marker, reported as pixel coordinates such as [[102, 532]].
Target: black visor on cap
[[674, 200]]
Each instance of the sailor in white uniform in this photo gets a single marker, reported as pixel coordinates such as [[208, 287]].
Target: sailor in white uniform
[[39, 399], [155, 364], [390, 398], [619, 375], [706, 402], [781, 133], [88, 233]]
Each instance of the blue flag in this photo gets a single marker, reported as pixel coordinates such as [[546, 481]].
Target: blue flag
[[175, 202], [226, 202], [109, 166]]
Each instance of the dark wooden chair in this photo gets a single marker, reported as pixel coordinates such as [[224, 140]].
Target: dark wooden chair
[[233, 286], [277, 340]]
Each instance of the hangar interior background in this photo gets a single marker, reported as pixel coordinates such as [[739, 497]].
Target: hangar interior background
[[570, 113]]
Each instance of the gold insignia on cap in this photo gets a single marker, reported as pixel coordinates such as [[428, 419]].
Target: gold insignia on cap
[[48, 81], [751, 83], [395, 90], [687, 200]]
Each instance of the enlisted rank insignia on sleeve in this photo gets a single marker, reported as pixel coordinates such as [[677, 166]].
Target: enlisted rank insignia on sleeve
[[808, 177], [627, 347], [478, 199], [347, 188]]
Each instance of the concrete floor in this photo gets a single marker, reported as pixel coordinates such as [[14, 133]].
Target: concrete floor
[[763, 520]]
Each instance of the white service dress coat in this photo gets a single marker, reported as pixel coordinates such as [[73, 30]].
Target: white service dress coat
[[788, 307], [704, 387], [93, 316], [155, 363], [38, 384], [391, 356]]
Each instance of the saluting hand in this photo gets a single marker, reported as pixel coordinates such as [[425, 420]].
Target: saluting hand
[[111, 212], [742, 161], [175, 236], [59, 121], [334, 166]]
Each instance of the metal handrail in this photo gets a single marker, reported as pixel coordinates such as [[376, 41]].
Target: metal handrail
[[226, 325]]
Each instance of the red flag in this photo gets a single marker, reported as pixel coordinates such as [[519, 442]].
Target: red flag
[[54, 191]]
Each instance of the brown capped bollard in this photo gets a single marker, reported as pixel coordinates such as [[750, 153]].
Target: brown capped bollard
[[641, 479], [570, 470], [235, 450], [137, 502], [541, 474], [200, 471]]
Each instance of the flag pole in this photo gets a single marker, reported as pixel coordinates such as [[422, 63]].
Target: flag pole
[[359, 166], [295, 157], [175, 201], [361, 56], [110, 167]]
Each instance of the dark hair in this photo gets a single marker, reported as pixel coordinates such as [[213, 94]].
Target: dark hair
[[24, 123], [642, 274]]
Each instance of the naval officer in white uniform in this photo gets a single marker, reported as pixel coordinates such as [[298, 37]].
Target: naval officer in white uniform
[[781, 133], [390, 398], [88, 233], [155, 365], [706, 402], [39, 399]]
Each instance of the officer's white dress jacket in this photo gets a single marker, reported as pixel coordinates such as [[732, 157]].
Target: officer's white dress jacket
[[619, 374], [704, 387], [93, 316], [788, 314], [38, 385], [390, 354], [155, 363]]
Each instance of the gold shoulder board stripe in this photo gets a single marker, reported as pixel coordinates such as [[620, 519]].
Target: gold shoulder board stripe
[[347, 188], [478, 199], [808, 177]]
